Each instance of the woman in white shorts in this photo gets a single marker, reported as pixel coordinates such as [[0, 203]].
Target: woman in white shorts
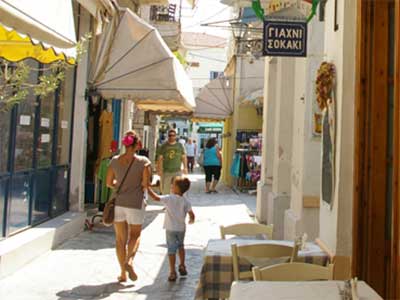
[[129, 205]]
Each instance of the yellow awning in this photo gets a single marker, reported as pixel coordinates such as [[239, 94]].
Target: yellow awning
[[44, 31], [16, 47]]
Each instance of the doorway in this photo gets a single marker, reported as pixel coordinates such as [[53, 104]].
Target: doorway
[[377, 154]]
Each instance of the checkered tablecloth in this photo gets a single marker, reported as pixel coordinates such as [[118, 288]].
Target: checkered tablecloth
[[216, 275]]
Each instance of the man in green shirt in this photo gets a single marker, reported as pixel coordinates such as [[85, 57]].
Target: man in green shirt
[[171, 155]]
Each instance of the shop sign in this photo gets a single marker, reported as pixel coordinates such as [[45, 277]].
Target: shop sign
[[285, 38], [210, 130]]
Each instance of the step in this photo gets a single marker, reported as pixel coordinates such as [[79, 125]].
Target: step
[[19, 250]]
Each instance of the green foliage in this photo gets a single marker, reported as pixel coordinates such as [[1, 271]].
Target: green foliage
[[258, 10], [181, 59], [313, 10]]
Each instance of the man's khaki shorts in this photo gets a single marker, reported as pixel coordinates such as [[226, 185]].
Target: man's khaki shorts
[[166, 182]]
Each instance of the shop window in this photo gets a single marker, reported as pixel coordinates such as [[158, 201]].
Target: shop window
[[23, 156], [4, 140], [41, 196], [45, 136], [19, 203], [3, 189], [64, 122], [60, 192]]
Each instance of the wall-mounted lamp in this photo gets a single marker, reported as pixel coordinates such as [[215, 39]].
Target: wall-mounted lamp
[[238, 29], [93, 94]]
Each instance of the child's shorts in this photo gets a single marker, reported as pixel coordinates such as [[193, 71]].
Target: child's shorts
[[174, 241]]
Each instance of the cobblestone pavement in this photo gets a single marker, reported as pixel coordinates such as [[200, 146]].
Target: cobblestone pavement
[[86, 267]]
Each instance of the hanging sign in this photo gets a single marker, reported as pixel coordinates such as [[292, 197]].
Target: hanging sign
[[285, 38], [209, 130]]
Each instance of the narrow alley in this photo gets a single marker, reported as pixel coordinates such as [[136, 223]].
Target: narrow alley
[[294, 103], [86, 267]]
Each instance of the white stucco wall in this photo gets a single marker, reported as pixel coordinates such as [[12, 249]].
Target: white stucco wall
[[306, 171], [306, 153], [298, 137], [283, 126], [210, 59], [336, 223], [251, 75], [269, 118], [312, 148], [79, 141]]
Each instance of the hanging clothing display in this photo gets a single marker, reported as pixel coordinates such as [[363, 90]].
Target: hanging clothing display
[[243, 136], [116, 108], [235, 168], [105, 192], [246, 168], [106, 134]]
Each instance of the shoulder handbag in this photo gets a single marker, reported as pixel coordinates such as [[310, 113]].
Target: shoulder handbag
[[109, 208]]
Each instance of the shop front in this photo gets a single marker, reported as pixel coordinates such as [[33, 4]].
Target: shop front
[[35, 158], [36, 133], [246, 165]]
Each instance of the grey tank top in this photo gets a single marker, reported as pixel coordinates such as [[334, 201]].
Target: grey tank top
[[131, 192]]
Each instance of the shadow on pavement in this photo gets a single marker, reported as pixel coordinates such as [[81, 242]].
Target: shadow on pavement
[[183, 288], [102, 237], [93, 292]]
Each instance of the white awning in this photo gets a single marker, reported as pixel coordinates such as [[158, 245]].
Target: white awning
[[48, 21], [215, 100], [133, 62]]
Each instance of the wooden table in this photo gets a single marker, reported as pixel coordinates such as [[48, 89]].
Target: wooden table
[[216, 274], [305, 290]]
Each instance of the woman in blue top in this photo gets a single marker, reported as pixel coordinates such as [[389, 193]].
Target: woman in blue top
[[212, 165]]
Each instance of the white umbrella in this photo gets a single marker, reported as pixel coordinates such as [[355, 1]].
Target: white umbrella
[[215, 100]]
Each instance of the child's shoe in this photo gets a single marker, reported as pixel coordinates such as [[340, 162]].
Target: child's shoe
[[182, 270], [172, 277]]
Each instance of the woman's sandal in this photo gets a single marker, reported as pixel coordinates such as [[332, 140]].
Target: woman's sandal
[[172, 277], [182, 270], [131, 272]]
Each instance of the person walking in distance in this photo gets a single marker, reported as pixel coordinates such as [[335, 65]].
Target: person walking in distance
[[129, 174], [191, 154], [170, 158], [212, 165]]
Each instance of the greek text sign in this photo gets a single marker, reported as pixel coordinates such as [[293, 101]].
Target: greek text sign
[[285, 38]]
